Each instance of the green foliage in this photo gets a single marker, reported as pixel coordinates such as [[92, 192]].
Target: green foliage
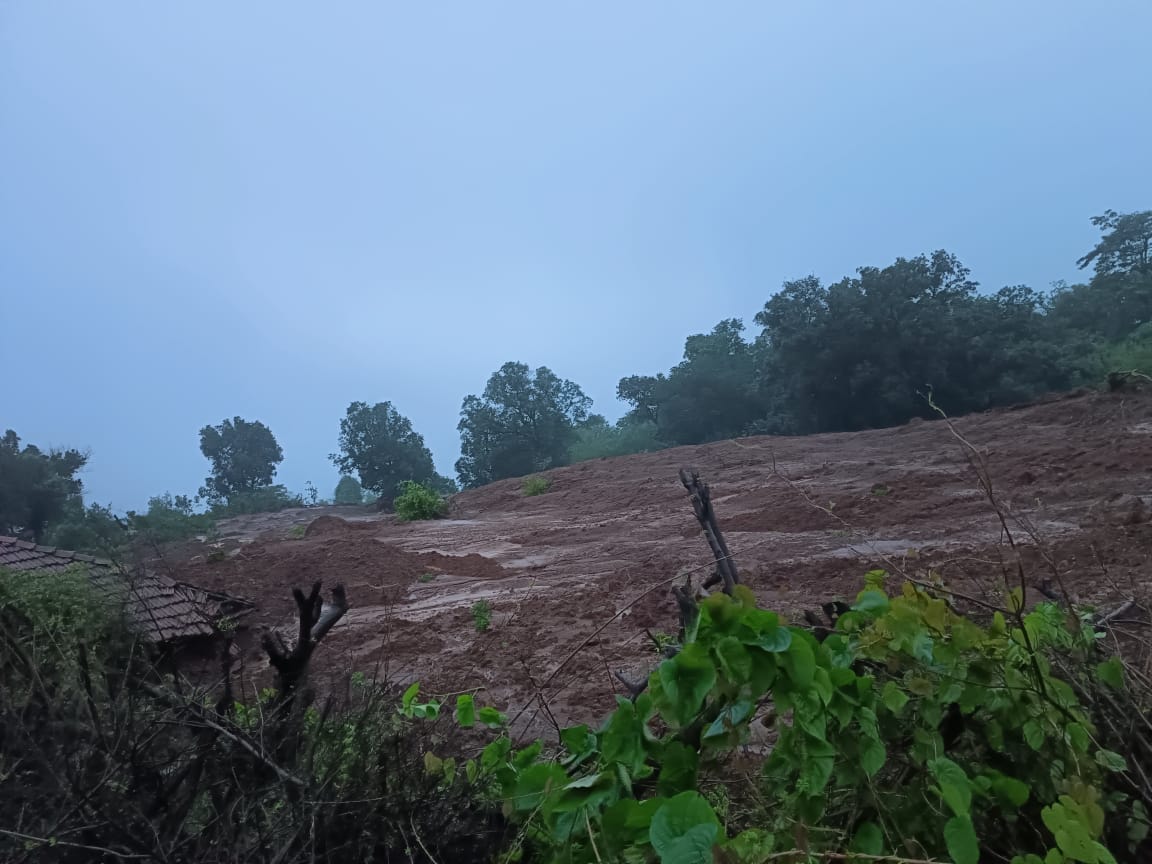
[[36, 487], [482, 615], [909, 727], [266, 499], [378, 443], [1133, 353], [171, 517], [524, 422], [596, 439], [536, 485], [416, 502], [243, 454], [348, 491]]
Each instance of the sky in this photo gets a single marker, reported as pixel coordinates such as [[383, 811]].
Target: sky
[[272, 209]]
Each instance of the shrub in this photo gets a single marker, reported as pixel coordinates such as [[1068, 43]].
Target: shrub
[[536, 485], [599, 440], [171, 518], [482, 615], [348, 491], [267, 499], [417, 501]]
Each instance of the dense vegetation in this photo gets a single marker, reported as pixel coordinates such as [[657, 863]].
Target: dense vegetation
[[898, 730], [862, 352]]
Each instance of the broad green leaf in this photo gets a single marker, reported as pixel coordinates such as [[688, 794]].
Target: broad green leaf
[[800, 663], [872, 600], [622, 740], [578, 739], [1111, 760], [528, 755], [869, 839], [534, 784], [433, 764], [773, 638], [960, 838], [1111, 672], [586, 791], [734, 660], [684, 830], [491, 718], [466, 710], [1078, 737], [677, 769], [1010, 790], [872, 756], [893, 697], [684, 683], [955, 787], [1034, 735]]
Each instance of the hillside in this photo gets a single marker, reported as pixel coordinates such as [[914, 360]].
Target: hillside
[[574, 576]]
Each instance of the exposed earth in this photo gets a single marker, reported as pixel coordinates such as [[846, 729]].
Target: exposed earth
[[576, 575]]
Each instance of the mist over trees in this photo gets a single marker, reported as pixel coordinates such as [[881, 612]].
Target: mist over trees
[[862, 352]]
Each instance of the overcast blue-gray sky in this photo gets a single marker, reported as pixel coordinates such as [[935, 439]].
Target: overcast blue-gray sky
[[272, 209]]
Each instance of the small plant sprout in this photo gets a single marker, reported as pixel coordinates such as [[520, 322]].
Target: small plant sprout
[[482, 615]]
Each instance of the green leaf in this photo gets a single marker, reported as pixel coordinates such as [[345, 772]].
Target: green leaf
[[800, 663], [730, 718], [1034, 735], [1111, 672], [773, 638], [872, 756], [684, 683], [893, 697], [960, 838], [869, 839], [622, 740], [677, 769], [491, 718], [753, 846], [466, 710], [1078, 737], [734, 660], [1010, 790], [587, 791], [684, 830], [410, 695], [534, 784], [1111, 761], [955, 788], [872, 600]]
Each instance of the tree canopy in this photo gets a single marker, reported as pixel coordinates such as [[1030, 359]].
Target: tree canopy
[[524, 422], [348, 491], [378, 444], [36, 487], [244, 455]]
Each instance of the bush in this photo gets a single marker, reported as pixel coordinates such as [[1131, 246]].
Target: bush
[[416, 502], [267, 499], [171, 518], [482, 615], [348, 491], [599, 440], [536, 485]]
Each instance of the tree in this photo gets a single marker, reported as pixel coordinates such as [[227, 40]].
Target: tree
[[348, 491], [244, 455], [36, 488], [525, 422], [378, 443], [1125, 246]]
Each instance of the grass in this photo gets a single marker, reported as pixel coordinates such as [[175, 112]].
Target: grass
[[296, 532], [482, 615], [536, 485], [426, 577]]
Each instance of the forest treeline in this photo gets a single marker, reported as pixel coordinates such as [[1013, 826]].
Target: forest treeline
[[864, 352]]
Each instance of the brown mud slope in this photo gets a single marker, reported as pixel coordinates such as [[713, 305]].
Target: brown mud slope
[[574, 576]]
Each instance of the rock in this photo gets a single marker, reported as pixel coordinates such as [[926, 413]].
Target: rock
[[1120, 508]]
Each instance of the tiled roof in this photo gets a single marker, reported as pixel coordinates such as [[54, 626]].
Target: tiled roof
[[161, 608]]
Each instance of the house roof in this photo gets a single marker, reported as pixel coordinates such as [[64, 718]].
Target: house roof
[[162, 609]]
